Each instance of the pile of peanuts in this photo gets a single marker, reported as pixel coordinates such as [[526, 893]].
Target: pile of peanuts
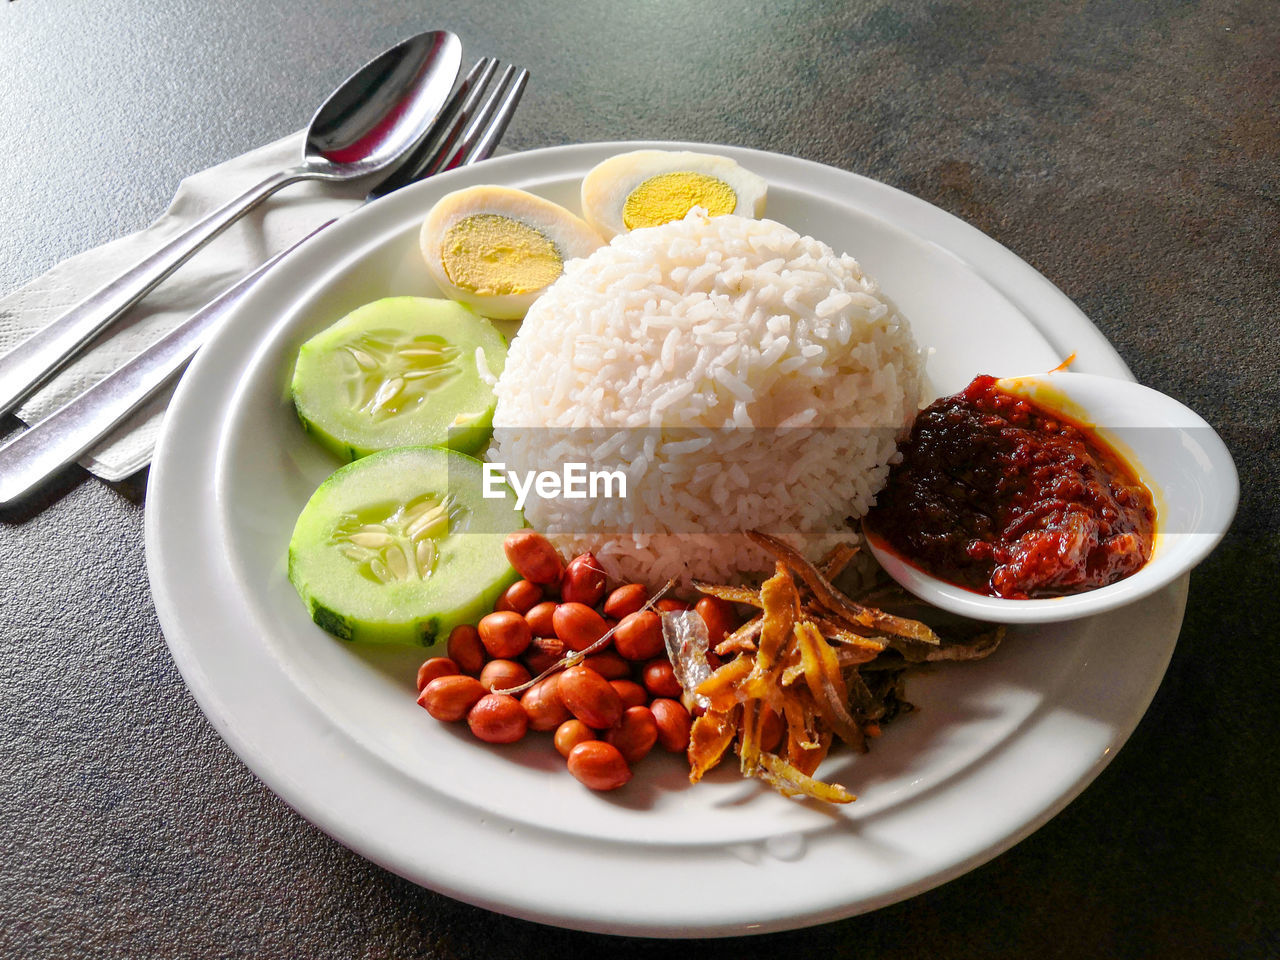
[[608, 711]]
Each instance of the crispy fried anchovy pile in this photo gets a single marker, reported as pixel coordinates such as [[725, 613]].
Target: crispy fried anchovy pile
[[812, 666]]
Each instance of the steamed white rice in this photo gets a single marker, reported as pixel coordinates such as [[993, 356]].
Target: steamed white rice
[[742, 375]]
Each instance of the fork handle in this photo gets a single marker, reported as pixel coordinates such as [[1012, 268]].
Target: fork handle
[[37, 358], [52, 443]]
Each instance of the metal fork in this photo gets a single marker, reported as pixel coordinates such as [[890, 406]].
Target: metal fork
[[468, 131]]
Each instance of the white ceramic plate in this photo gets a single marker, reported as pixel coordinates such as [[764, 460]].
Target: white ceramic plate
[[995, 750]]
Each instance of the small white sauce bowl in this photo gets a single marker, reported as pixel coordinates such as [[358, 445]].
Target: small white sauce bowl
[[1179, 457]]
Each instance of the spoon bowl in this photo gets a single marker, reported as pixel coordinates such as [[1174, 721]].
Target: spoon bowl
[[1175, 453], [365, 128], [372, 120]]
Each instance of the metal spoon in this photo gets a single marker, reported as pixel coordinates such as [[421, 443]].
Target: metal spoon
[[470, 128], [365, 127]]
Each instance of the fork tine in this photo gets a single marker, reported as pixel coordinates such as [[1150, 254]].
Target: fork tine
[[461, 123], [439, 141], [493, 119]]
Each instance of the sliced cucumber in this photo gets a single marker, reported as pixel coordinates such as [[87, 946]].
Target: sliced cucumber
[[400, 547], [398, 372]]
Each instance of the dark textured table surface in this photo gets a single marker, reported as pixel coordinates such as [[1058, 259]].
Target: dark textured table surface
[[1127, 150]]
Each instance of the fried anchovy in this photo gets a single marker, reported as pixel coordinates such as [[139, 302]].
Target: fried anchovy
[[791, 782], [732, 594], [837, 602]]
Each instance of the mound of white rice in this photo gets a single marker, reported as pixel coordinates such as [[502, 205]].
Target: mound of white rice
[[742, 375]]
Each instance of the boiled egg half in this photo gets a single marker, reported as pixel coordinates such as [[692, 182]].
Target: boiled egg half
[[645, 188], [496, 249]]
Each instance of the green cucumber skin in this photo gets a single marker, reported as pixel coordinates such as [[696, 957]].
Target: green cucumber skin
[[324, 599], [335, 446], [423, 633], [468, 441], [344, 440], [334, 623]]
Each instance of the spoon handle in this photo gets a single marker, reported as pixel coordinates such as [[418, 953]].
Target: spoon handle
[[33, 361], [59, 438]]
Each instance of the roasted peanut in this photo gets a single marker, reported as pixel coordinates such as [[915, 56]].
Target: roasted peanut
[[631, 693], [542, 704], [578, 625], [673, 722], [521, 596], [543, 653], [503, 675], [584, 581], [571, 733], [639, 636], [533, 557], [627, 599], [590, 698], [505, 633], [498, 718], [635, 735], [608, 664], [540, 618], [671, 605], [599, 765], [659, 679], [537, 661], [465, 649], [449, 698], [719, 616], [435, 667]]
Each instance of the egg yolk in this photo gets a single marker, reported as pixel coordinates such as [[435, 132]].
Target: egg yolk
[[494, 255], [669, 196]]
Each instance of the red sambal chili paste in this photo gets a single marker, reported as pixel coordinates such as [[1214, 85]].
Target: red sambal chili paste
[[1003, 496]]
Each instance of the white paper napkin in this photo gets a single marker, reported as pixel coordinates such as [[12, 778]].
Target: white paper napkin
[[277, 223]]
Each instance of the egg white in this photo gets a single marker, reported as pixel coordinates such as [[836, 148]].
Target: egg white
[[606, 187], [568, 234]]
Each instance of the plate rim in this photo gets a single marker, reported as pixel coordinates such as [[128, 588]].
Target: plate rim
[[243, 741]]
